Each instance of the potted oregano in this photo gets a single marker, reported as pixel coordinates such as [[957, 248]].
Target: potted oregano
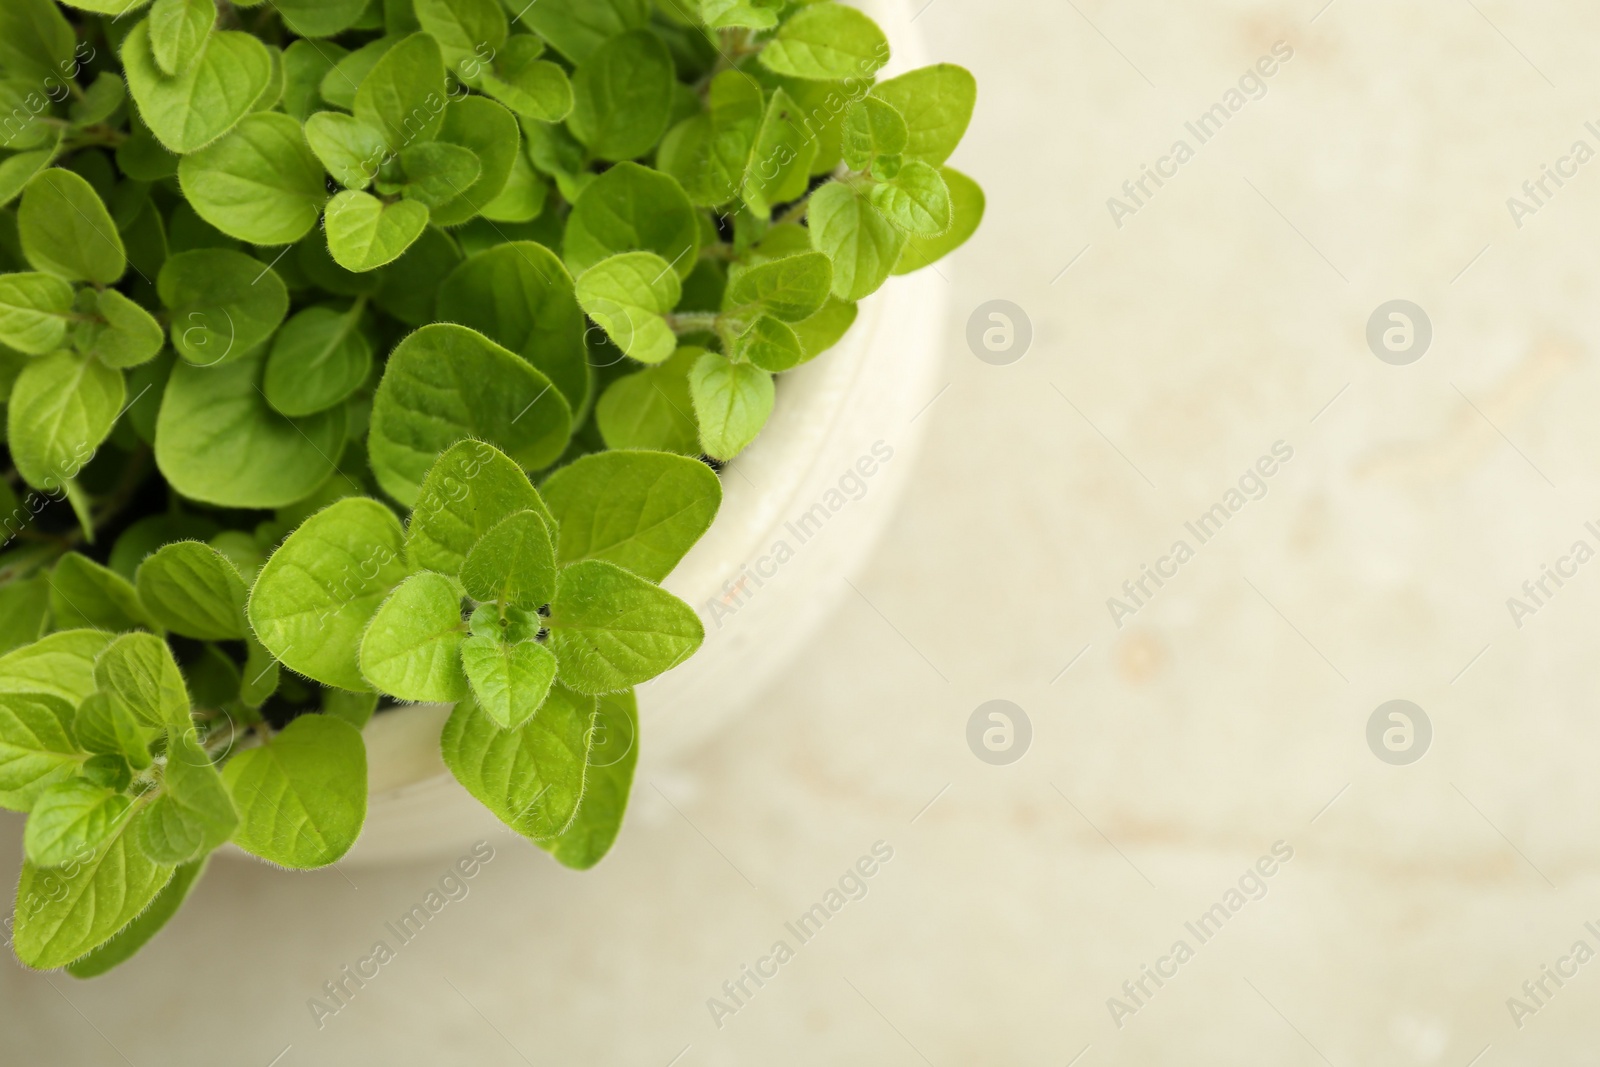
[[360, 353]]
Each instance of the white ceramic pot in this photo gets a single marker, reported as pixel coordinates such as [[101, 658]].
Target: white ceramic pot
[[802, 508]]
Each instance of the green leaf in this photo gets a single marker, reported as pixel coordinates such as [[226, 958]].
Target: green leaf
[[872, 128], [827, 42], [222, 303], [513, 563], [83, 593], [490, 133], [67, 231], [412, 648], [60, 917], [36, 40], [532, 87], [142, 157], [33, 312], [532, 777], [353, 708], [519, 295], [782, 156], [313, 599], [137, 934], [632, 208], [339, 85], [824, 329], [130, 336], [24, 604], [192, 814], [317, 360], [771, 344], [467, 491], [105, 724], [218, 440], [967, 204], [302, 797], [629, 295], [509, 681], [622, 96], [937, 104], [577, 28], [437, 173], [260, 183], [28, 115], [71, 820], [364, 233], [862, 244], [60, 665], [740, 14], [915, 201], [465, 29], [446, 383], [193, 590], [404, 95], [350, 149], [178, 31], [651, 409], [731, 402], [108, 7], [189, 111], [408, 288], [37, 749], [612, 756], [791, 288], [261, 674], [100, 101], [138, 669], [639, 510], [320, 18], [305, 64], [611, 629]]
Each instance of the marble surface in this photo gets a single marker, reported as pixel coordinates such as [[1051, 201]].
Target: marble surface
[[1168, 755]]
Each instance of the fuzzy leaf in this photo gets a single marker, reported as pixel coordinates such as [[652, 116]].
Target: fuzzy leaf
[[261, 183], [862, 244], [192, 814], [936, 103], [137, 934], [222, 303], [67, 231], [639, 510], [194, 590], [827, 42], [37, 748], [611, 629], [302, 797], [138, 669], [219, 87], [178, 31], [62, 407], [83, 593], [631, 208], [629, 295], [531, 777], [364, 233], [467, 491], [33, 312], [412, 647], [509, 681], [313, 599], [732, 402], [513, 563], [70, 820], [613, 753], [446, 383], [318, 359], [622, 96]]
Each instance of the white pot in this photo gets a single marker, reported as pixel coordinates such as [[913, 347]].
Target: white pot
[[868, 390]]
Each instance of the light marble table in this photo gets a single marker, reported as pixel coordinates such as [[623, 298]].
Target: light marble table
[[1229, 712]]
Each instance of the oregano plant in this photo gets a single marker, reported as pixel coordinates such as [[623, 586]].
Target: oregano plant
[[358, 353]]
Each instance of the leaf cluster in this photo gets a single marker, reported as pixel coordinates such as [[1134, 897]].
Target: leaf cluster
[[362, 352]]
